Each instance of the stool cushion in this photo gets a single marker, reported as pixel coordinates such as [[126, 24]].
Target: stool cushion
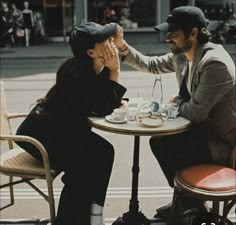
[[209, 177]]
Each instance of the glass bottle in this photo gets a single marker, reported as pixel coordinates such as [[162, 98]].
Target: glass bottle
[[157, 95]]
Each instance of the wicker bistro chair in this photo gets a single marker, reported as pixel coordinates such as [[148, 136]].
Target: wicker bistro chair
[[17, 163], [208, 183]]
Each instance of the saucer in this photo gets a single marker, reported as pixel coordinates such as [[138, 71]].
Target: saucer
[[110, 119], [152, 122]]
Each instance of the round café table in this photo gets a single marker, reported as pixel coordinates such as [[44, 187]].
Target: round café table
[[134, 215]]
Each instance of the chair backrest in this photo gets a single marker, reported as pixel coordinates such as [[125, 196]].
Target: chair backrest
[[4, 122]]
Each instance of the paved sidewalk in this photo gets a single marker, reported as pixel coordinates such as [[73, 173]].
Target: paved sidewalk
[[50, 50], [62, 49]]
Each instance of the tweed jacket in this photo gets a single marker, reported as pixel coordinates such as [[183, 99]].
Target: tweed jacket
[[211, 106]]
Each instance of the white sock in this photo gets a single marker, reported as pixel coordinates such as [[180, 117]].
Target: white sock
[[96, 217]]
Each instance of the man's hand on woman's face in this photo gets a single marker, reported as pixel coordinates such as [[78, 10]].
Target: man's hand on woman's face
[[119, 37], [110, 53]]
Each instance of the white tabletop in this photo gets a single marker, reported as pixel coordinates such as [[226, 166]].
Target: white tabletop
[[169, 127]]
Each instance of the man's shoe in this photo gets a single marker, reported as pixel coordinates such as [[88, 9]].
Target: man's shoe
[[163, 212]]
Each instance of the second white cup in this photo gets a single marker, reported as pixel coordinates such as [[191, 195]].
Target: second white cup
[[132, 113]]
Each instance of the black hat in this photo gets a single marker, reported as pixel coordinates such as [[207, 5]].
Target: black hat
[[88, 34], [183, 17]]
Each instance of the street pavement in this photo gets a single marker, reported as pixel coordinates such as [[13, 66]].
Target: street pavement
[[28, 73], [62, 49]]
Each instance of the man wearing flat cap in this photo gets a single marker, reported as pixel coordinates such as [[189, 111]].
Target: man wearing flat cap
[[205, 73]]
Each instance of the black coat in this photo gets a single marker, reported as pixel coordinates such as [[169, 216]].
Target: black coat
[[61, 123]]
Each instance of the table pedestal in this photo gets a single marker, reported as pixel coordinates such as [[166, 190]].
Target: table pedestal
[[134, 219], [134, 216]]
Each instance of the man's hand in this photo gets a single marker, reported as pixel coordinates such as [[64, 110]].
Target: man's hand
[[119, 38], [173, 99]]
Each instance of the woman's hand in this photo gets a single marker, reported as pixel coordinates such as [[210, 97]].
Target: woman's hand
[[111, 59], [124, 104]]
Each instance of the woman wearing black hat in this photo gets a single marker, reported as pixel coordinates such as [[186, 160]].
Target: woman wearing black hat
[[86, 83]]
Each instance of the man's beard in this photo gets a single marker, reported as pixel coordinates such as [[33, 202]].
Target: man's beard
[[177, 50]]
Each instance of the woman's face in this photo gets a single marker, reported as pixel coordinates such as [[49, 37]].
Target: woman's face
[[98, 52]]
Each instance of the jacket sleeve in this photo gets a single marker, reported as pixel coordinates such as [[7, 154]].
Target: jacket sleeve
[[98, 96], [152, 64], [215, 80]]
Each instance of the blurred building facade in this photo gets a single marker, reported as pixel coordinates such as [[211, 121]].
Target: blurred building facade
[[61, 15]]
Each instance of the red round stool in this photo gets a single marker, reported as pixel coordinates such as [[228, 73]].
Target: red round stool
[[207, 182]]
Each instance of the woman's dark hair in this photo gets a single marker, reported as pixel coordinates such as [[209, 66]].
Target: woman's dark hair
[[66, 75], [80, 42]]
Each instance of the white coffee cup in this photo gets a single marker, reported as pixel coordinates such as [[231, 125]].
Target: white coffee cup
[[119, 114]]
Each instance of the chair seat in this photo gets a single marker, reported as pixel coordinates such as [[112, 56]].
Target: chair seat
[[18, 161], [208, 178]]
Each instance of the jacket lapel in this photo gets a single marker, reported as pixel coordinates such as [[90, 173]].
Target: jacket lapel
[[184, 72], [183, 92], [196, 59]]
